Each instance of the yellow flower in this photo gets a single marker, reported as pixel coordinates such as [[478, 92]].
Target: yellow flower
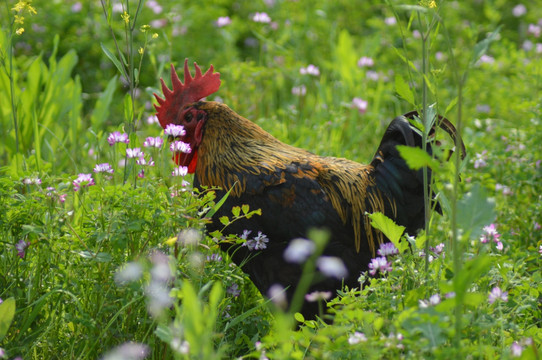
[[144, 28], [19, 31], [19, 6], [431, 4], [19, 19], [24, 5], [155, 35], [141, 51], [126, 17]]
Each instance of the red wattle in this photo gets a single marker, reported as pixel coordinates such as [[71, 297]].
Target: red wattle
[[193, 163]]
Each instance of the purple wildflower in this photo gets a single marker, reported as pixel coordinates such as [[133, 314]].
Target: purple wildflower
[[365, 61], [356, 338], [379, 264], [154, 6], [310, 70], [214, 258], [129, 350], [141, 161], [491, 234], [245, 234], [387, 249], [372, 75], [105, 167], [505, 189], [360, 104], [277, 294], [174, 130], [117, 137], [332, 266], [497, 294], [261, 17], [153, 119], [223, 21], [519, 10], [134, 153], [180, 171], [299, 250], [390, 21], [260, 241], [153, 142], [32, 181], [300, 90], [180, 146], [83, 180], [516, 349], [534, 30], [318, 295], [480, 160], [234, 290], [21, 248]]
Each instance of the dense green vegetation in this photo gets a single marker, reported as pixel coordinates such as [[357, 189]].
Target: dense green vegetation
[[112, 260]]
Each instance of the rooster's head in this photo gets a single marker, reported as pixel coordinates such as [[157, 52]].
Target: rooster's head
[[176, 108]]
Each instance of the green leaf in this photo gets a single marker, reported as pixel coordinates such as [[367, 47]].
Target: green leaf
[[482, 47], [299, 317], [113, 58], [128, 111], [471, 272], [224, 220], [101, 109], [402, 88], [390, 229], [451, 105], [416, 158], [219, 204], [245, 209], [474, 211], [7, 312], [236, 211]]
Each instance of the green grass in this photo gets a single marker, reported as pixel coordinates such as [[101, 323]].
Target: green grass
[[94, 267]]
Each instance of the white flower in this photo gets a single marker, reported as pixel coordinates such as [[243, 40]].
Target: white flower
[[180, 171], [310, 70], [299, 250], [131, 271], [332, 266], [356, 338], [174, 130], [261, 17], [134, 153]]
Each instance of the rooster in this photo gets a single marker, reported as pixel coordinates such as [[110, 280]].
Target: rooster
[[295, 189]]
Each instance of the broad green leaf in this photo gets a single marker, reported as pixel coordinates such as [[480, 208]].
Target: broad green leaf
[[236, 211], [299, 317], [470, 273], [402, 88], [474, 211], [224, 220], [113, 58], [101, 109], [416, 158], [220, 203], [245, 208], [482, 47], [390, 229], [7, 312]]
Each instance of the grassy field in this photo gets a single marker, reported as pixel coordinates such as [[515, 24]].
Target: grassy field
[[102, 253]]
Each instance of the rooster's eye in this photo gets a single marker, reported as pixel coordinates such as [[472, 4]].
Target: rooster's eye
[[188, 117], [200, 116]]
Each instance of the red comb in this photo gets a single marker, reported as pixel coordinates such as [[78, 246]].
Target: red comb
[[193, 89]]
